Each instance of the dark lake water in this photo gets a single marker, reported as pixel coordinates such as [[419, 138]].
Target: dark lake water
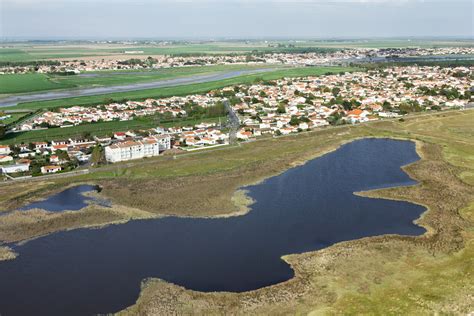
[[71, 199], [83, 272]]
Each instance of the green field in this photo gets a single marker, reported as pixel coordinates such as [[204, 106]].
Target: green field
[[133, 76], [21, 83], [29, 83], [182, 90], [24, 52], [14, 117]]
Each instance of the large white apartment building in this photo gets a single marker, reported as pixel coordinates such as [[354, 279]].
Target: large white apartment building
[[131, 149]]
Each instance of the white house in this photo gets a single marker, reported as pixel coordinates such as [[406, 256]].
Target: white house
[[4, 150], [50, 169], [15, 168], [5, 158]]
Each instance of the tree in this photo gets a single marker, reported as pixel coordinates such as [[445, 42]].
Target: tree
[[294, 120], [386, 105], [97, 156], [62, 155], [347, 105], [15, 150], [35, 168], [2, 131]]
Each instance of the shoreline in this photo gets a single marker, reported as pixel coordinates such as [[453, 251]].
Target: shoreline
[[293, 260], [288, 257]]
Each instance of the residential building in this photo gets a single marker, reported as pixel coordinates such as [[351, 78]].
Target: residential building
[[15, 168], [50, 169], [4, 150], [129, 150]]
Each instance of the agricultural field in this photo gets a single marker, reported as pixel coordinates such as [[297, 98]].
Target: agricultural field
[[32, 51], [390, 43], [10, 84]]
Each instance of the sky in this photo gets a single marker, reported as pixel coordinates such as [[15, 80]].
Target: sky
[[211, 19]]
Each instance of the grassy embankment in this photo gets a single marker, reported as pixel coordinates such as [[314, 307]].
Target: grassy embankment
[[107, 127], [22, 83], [387, 274]]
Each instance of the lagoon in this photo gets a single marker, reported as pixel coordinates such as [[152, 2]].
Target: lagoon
[[306, 208]]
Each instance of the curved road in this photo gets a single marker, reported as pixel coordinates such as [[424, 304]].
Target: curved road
[[62, 94]]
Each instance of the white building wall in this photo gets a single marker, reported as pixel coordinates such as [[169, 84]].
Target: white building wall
[[138, 151]]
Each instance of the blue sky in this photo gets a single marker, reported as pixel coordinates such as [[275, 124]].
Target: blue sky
[[235, 18]]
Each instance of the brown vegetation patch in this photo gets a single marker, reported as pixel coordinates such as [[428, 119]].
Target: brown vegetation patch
[[23, 225], [6, 253]]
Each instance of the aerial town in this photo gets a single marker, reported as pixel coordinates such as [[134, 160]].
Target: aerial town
[[268, 108]]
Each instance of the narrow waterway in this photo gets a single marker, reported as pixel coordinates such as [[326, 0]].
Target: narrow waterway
[[71, 199], [310, 207]]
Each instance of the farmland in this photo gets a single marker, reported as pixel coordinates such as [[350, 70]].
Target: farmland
[[33, 51], [29, 83]]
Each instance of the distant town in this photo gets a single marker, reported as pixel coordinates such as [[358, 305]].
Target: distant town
[[139, 62]]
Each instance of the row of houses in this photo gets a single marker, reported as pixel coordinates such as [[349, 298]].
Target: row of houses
[[64, 117]]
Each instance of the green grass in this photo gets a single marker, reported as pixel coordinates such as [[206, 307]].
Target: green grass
[[98, 129], [122, 77], [13, 54], [20, 83], [13, 118], [181, 90]]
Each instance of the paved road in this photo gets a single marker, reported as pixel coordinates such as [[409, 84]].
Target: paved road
[[70, 93], [234, 123]]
